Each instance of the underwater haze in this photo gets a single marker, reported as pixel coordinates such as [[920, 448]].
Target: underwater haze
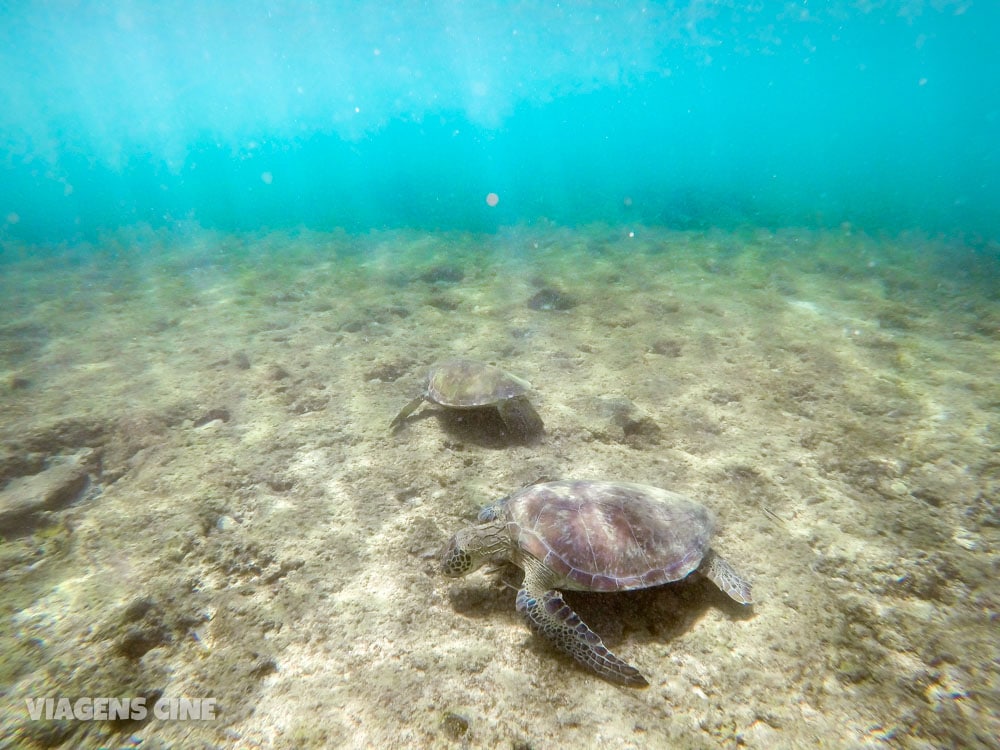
[[884, 115], [294, 293]]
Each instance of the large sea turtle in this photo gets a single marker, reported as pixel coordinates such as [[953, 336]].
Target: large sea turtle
[[469, 384], [592, 536]]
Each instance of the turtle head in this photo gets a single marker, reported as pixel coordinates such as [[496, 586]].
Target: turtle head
[[471, 548]]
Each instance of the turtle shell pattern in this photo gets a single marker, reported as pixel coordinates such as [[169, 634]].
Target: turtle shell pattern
[[608, 536], [465, 383]]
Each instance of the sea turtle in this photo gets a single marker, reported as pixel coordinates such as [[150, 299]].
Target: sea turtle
[[591, 536], [469, 384]]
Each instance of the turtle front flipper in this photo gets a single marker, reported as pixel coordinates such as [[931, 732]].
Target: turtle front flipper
[[721, 573], [549, 615], [520, 417], [405, 412]]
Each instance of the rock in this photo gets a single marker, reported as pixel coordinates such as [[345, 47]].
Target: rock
[[213, 415], [442, 275], [455, 725], [614, 418], [63, 481], [548, 299]]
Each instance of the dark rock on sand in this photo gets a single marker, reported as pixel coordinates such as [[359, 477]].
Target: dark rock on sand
[[548, 298], [63, 481]]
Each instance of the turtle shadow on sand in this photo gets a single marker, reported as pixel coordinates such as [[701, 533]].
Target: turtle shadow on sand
[[659, 614], [638, 618], [482, 427], [671, 609], [634, 619]]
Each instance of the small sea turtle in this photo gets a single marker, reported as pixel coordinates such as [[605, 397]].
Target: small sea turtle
[[591, 536], [468, 384]]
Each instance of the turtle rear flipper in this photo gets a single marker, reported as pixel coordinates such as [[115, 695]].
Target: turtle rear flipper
[[722, 574], [549, 615], [520, 417]]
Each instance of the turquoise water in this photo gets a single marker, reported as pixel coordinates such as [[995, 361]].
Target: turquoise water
[[745, 251], [884, 116]]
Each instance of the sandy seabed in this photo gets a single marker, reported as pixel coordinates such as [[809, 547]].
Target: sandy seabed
[[200, 496]]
